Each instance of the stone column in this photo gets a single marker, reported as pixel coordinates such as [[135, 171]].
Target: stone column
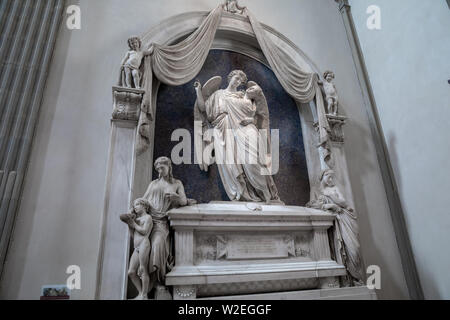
[[29, 30]]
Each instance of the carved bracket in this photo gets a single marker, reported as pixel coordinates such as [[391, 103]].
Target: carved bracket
[[127, 103], [336, 124]]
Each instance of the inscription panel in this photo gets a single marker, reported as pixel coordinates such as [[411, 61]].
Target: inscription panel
[[257, 247], [237, 246]]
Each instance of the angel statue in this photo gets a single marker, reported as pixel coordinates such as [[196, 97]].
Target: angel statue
[[235, 124]]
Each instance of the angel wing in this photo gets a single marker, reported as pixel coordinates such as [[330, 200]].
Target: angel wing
[[201, 140], [255, 92]]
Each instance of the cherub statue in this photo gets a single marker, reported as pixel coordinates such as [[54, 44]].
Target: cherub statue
[[141, 223], [330, 92], [233, 7], [132, 62]]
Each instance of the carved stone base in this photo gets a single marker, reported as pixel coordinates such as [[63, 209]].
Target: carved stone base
[[354, 293], [162, 293], [226, 249]]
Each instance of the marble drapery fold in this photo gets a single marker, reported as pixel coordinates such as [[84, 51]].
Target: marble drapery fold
[[180, 63], [175, 65], [300, 85]]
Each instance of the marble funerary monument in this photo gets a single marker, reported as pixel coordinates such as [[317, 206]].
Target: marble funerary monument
[[157, 243]]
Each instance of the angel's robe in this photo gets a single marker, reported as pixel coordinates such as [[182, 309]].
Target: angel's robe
[[240, 148]]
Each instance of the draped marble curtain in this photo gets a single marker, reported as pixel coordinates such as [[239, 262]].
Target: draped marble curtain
[[28, 30], [180, 63]]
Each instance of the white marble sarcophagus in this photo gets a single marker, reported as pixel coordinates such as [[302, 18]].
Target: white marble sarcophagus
[[229, 249]]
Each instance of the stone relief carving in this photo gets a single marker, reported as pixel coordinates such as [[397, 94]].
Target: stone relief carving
[[222, 250], [206, 248], [185, 292], [233, 7], [217, 247], [234, 123], [346, 225], [303, 245], [290, 245], [130, 69]]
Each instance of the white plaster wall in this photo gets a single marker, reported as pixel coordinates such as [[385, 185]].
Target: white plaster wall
[[409, 66], [58, 223]]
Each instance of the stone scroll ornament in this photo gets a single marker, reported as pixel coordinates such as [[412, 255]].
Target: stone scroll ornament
[[178, 64]]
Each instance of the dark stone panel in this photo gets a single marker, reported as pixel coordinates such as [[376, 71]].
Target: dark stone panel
[[175, 110]]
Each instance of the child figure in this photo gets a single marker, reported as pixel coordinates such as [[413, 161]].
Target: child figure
[[331, 95], [141, 223], [132, 62]]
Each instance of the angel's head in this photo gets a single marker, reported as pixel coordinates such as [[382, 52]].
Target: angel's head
[[328, 75], [134, 43], [253, 90], [237, 78]]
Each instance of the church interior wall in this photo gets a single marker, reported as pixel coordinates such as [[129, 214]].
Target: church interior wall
[[59, 220], [409, 71]]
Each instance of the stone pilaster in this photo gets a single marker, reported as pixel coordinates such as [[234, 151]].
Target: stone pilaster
[[29, 30], [184, 246]]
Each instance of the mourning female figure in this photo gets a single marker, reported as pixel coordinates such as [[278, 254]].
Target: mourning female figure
[[331, 199], [149, 220], [163, 194]]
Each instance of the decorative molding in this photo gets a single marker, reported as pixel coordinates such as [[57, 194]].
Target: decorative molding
[[396, 209], [336, 124], [127, 103], [184, 292], [240, 288]]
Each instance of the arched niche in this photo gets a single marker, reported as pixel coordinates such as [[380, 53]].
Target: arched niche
[[236, 34]]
